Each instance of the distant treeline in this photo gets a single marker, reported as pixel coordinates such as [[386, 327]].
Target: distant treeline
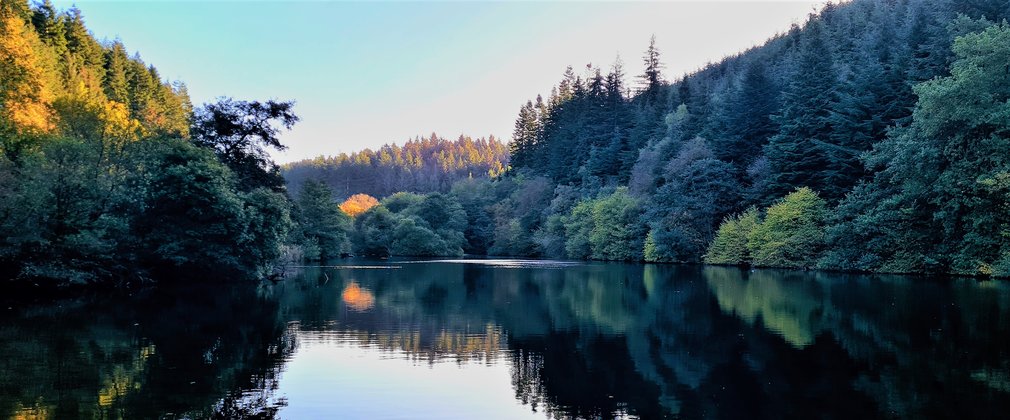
[[874, 137], [423, 164]]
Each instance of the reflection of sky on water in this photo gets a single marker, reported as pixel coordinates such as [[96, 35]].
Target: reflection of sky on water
[[336, 375]]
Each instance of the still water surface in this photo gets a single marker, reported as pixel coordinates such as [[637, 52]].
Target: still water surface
[[517, 339]]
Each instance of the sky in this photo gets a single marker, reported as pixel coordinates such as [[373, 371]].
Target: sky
[[364, 74]]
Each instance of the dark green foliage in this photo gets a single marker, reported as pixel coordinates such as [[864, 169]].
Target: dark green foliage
[[698, 191], [239, 132], [412, 238], [325, 228], [401, 201], [100, 181], [525, 136], [409, 224], [194, 217], [476, 196], [744, 122], [939, 201], [373, 232], [445, 217], [56, 214], [653, 77], [802, 154], [518, 214]]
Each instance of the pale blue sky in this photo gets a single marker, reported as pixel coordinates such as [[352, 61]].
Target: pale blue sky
[[368, 73]]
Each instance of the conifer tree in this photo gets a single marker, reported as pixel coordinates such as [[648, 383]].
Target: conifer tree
[[525, 135], [801, 154], [652, 78]]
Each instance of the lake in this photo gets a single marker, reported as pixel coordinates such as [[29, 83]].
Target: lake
[[510, 339]]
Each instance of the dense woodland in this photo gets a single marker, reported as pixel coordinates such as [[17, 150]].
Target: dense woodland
[[873, 137], [108, 174], [423, 164]]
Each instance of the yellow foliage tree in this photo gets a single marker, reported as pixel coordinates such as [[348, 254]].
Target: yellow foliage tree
[[357, 204], [25, 79]]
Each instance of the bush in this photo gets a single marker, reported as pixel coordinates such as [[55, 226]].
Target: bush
[[730, 243], [606, 228], [792, 233]]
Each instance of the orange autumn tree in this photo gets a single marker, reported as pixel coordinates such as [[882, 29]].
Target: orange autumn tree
[[357, 204]]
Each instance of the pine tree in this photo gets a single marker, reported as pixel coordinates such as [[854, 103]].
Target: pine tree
[[50, 28], [653, 77], [801, 154], [524, 136], [744, 124], [117, 82]]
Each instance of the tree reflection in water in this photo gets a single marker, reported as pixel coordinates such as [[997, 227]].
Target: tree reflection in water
[[176, 352], [592, 340]]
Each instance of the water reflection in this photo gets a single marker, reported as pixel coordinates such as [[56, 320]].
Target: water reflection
[[357, 298], [180, 352], [506, 340]]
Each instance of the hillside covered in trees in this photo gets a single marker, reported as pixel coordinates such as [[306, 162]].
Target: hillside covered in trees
[[873, 137], [108, 174], [424, 164]]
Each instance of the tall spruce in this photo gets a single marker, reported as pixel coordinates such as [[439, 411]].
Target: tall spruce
[[801, 154]]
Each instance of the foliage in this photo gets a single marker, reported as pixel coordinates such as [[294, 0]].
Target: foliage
[[420, 165], [100, 181], [697, 192], [412, 225], [192, 216], [357, 204], [240, 132], [325, 226], [730, 243], [939, 200], [578, 229], [792, 232], [605, 228], [372, 232]]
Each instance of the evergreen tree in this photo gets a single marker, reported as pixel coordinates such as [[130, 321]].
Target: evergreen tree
[[325, 227], [801, 153], [117, 83], [937, 204], [524, 137], [652, 78], [744, 124]]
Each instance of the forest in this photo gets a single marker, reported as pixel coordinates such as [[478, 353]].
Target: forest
[[873, 137], [109, 175], [422, 165]]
